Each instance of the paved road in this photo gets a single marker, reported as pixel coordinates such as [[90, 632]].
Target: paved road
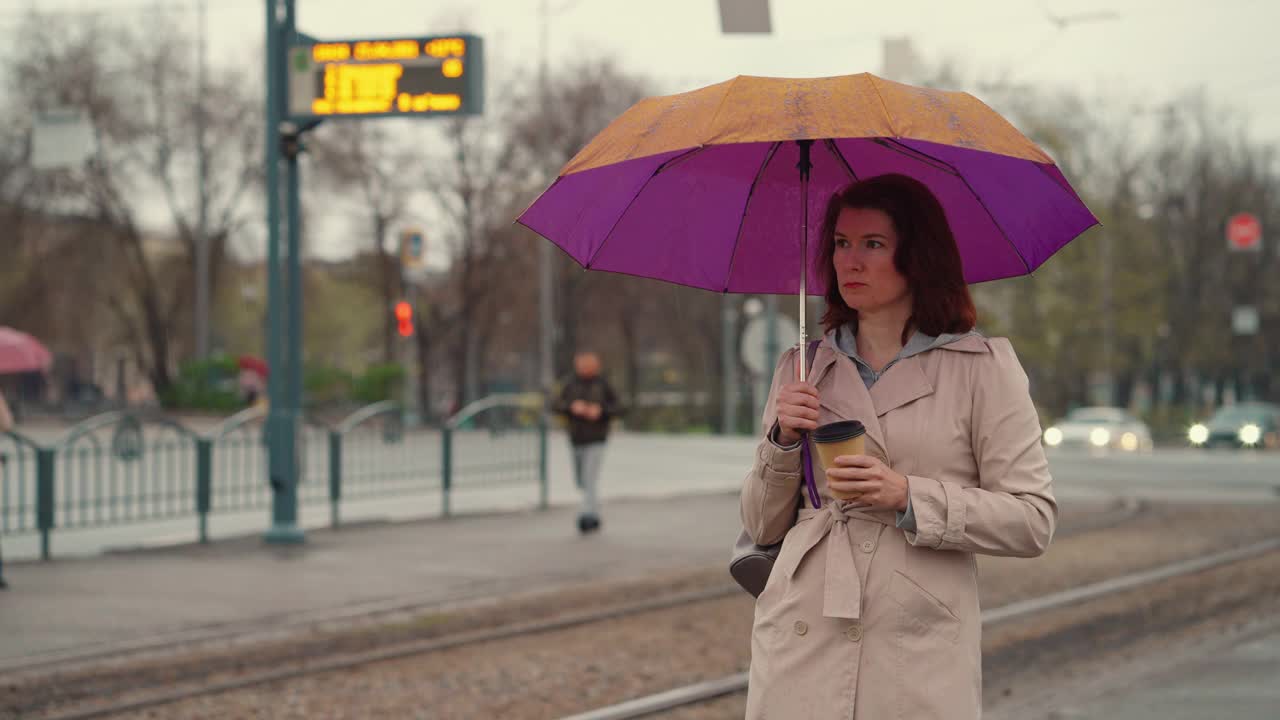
[[1174, 475], [647, 465], [69, 607], [1239, 683], [72, 606]]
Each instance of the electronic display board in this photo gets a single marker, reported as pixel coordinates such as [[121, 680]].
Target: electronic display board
[[441, 75]]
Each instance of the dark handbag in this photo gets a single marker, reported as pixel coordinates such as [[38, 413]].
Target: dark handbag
[[751, 563]]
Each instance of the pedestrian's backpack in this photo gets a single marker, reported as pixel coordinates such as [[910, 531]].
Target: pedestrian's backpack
[[752, 563]]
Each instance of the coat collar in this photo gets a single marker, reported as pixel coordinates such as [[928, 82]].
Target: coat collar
[[843, 393], [971, 343]]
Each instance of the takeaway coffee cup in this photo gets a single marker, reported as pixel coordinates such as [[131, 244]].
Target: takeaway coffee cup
[[847, 437]]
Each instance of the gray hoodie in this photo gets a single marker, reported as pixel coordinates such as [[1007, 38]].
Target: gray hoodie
[[846, 340]]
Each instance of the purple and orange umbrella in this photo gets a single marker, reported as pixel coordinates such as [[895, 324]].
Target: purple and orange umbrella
[[715, 188]]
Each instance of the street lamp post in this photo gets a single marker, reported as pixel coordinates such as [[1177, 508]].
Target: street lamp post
[[771, 350], [546, 255], [283, 346], [728, 366], [202, 201], [740, 17]]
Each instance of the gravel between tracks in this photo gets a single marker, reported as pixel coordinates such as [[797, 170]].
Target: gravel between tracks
[[550, 675]]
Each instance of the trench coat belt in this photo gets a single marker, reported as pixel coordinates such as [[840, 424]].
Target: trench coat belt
[[842, 589]]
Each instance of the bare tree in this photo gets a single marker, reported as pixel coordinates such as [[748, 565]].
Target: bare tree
[[368, 158], [1203, 170], [548, 131], [474, 193], [138, 89]]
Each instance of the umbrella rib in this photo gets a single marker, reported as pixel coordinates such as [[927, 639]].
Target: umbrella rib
[[742, 221], [835, 150], [1065, 186], [711, 126], [645, 184], [888, 116], [977, 197], [898, 147]]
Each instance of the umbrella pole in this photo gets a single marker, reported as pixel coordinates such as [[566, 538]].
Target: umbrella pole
[[804, 165]]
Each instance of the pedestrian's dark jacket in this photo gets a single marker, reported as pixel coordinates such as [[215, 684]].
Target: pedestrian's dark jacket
[[593, 390]]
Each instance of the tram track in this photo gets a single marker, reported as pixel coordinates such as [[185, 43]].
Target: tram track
[[702, 692], [112, 699]]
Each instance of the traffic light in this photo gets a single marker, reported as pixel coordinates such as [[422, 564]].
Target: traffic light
[[404, 318]]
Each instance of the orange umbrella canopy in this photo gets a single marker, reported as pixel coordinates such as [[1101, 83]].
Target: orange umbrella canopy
[[760, 109]]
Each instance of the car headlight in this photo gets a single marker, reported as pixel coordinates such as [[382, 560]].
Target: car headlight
[[1250, 434], [1053, 437], [1100, 437], [1198, 434], [1129, 441]]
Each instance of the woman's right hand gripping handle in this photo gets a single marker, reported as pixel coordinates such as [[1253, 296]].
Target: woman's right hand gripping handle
[[797, 406]]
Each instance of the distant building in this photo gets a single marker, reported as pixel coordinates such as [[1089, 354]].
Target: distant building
[[900, 61]]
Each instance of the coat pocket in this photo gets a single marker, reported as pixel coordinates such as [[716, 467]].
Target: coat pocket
[[922, 616]]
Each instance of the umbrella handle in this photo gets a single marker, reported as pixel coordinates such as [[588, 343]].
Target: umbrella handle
[[805, 165]]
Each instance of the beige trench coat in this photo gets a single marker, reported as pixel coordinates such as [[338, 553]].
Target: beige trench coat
[[861, 620]]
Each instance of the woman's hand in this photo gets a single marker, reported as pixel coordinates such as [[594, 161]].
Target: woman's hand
[[867, 480], [797, 411]]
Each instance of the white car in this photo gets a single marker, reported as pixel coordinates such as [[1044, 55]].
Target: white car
[[1099, 428]]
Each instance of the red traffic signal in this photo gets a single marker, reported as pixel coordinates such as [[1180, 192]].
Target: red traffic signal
[[404, 318]]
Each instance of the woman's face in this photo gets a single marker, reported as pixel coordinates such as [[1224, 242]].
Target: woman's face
[[863, 259]]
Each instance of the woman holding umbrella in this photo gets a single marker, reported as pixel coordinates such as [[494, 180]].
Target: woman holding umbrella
[[872, 607]]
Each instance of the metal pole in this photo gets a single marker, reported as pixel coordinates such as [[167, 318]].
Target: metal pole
[[446, 469], [46, 497], [1108, 322], [544, 485], [412, 382], [202, 202], [204, 484], [284, 386], [546, 256], [771, 350], [728, 366], [335, 477], [409, 291], [274, 288], [294, 282]]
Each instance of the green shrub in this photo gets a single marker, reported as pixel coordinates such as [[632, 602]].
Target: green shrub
[[380, 382], [326, 385], [209, 384]]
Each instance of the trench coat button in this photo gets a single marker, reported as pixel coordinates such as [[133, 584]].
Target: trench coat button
[[854, 633], [868, 546], [801, 627]]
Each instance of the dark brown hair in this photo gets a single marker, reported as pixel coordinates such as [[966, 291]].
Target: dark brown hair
[[926, 255]]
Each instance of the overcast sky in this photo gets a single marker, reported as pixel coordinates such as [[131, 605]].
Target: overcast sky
[[1148, 53]]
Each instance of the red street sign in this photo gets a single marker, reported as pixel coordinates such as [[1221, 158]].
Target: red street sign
[[1244, 232]]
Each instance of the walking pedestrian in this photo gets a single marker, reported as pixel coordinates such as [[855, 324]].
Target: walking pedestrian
[[589, 403], [871, 610]]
